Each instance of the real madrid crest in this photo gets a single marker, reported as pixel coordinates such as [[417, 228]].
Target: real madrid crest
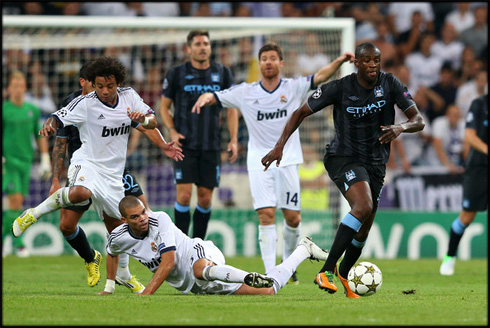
[[154, 246], [284, 99]]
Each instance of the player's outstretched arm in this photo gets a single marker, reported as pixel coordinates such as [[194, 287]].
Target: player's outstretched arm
[[164, 269], [326, 72], [292, 124], [169, 149], [205, 99]]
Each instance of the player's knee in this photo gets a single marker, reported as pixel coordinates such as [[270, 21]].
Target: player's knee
[[184, 198], [293, 220], [362, 210], [67, 229]]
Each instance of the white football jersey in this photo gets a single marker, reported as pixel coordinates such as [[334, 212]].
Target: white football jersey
[[163, 236], [266, 114], [104, 130]]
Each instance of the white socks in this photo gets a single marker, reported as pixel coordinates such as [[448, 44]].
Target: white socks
[[123, 267], [291, 238], [284, 271], [54, 202], [225, 273], [267, 243]]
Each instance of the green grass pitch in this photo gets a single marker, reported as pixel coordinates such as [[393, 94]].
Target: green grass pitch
[[53, 291]]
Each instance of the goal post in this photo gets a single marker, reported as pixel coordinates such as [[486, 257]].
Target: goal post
[[56, 47]]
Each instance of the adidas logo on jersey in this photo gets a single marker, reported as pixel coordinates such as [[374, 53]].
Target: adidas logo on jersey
[[124, 129], [101, 117], [270, 116]]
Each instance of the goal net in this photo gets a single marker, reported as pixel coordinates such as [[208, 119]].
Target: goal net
[[51, 49]]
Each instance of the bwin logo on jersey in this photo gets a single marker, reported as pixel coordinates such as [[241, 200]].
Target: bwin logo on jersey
[[378, 91], [270, 116], [112, 132], [153, 264]]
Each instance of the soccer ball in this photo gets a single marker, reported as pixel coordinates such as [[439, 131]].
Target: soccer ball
[[365, 279]]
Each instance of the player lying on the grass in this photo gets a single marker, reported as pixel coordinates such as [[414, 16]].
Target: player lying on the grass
[[190, 264]]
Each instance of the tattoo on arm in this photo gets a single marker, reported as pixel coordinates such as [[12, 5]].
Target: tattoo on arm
[[58, 157]]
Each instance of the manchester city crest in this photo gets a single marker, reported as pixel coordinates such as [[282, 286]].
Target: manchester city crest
[[378, 91]]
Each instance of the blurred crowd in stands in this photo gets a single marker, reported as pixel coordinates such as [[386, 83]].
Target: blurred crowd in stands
[[438, 49]]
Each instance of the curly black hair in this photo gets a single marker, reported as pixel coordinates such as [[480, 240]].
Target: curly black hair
[[107, 66]]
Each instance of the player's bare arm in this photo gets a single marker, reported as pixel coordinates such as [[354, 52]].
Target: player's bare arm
[[232, 123], [164, 269], [168, 120], [326, 72], [111, 271], [415, 123], [49, 127], [474, 141], [169, 149], [147, 121], [205, 99], [292, 124], [58, 160]]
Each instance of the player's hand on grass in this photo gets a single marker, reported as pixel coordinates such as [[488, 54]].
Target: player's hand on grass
[[274, 155], [104, 293]]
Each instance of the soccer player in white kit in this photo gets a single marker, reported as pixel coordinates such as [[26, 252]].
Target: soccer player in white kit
[[190, 265], [104, 118], [266, 106]]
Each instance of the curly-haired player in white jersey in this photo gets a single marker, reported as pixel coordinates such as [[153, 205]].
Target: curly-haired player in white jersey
[[266, 106], [104, 118], [190, 265]]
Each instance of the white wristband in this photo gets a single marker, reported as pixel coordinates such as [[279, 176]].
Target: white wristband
[[110, 286], [147, 120]]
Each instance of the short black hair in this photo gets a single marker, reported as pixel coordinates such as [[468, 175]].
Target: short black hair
[[271, 46], [84, 71], [129, 202], [195, 33], [107, 66], [365, 46]]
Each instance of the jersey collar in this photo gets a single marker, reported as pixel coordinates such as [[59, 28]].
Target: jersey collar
[[280, 81], [138, 237], [109, 105]]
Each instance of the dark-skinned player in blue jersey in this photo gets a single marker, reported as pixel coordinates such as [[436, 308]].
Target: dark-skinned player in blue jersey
[[356, 158]]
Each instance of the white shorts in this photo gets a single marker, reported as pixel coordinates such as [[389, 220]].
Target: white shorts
[[107, 190], [206, 249], [277, 187]]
